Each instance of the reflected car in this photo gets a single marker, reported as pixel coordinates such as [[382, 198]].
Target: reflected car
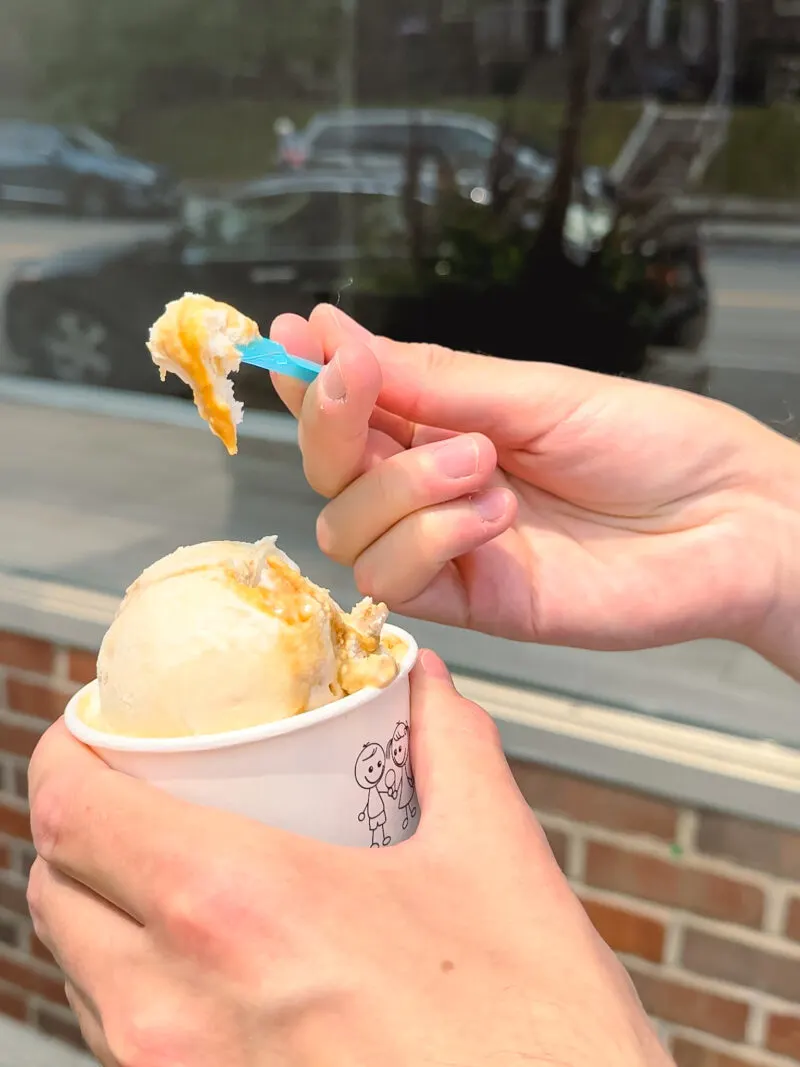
[[364, 137], [73, 169], [283, 244]]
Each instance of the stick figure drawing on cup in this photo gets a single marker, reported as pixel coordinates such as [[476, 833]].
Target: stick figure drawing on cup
[[397, 751], [369, 771]]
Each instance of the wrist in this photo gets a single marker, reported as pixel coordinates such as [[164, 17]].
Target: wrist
[[774, 528]]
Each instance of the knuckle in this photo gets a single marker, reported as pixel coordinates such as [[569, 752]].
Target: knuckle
[[206, 916], [49, 815], [320, 482], [154, 1033], [35, 894], [484, 727], [331, 540], [434, 357], [365, 575]]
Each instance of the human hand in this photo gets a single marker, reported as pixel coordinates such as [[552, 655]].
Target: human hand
[[544, 503], [194, 938]]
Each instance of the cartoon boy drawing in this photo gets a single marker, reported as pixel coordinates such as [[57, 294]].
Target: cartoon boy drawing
[[397, 751], [369, 773]]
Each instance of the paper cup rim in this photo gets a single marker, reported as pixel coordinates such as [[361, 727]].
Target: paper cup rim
[[230, 738]]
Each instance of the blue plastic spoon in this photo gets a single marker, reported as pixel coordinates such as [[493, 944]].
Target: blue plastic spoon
[[269, 355]]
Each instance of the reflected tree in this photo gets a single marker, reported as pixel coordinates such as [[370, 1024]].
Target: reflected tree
[[99, 61]]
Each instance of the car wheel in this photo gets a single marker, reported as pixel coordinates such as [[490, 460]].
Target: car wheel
[[93, 201], [76, 346]]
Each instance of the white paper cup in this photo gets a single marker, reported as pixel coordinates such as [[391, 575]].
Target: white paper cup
[[341, 773]]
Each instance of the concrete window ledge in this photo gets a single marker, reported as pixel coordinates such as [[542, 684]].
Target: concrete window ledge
[[688, 764]]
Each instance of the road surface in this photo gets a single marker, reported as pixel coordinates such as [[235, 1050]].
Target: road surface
[[92, 499]]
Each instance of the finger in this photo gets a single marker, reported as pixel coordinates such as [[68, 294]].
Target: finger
[[332, 329], [91, 1028], [91, 939], [512, 402], [460, 770], [131, 843], [335, 419], [297, 337], [401, 564], [405, 483]]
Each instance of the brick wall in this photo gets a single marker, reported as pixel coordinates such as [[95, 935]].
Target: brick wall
[[704, 909]]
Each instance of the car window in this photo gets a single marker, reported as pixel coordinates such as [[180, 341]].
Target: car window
[[88, 141], [27, 140], [383, 137], [333, 139], [459, 142], [40, 140], [374, 223], [364, 137], [285, 224]]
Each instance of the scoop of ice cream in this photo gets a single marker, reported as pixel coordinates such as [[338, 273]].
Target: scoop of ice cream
[[224, 635], [196, 339]]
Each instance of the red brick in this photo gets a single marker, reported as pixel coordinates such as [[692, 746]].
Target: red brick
[[590, 802], [624, 931], [753, 844], [82, 666], [20, 782], [558, 843], [26, 653], [13, 896], [12, 1003], [32, 980], [10, 932], [26, 854], [18, 740], [690, 1054], [793, 919], [37, 700], [675, 883], [675, 1002], [15, 823], [783, 1035], [741, 964], [64, 1027]]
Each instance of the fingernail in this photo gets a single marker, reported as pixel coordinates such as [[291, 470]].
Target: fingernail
[[350, 326], [491, 505], [457, 458], [332, 381], [434, 666]]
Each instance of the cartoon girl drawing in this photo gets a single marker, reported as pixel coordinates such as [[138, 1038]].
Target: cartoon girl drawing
[[397, 751], [369, 771]]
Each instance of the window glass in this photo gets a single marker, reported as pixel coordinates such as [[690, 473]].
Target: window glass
[[642, 223]]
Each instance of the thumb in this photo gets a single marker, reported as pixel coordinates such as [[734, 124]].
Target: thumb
[[460, 769], [508, 400]]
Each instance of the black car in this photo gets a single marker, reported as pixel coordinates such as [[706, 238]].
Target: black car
[[73, 169], [285, 244]]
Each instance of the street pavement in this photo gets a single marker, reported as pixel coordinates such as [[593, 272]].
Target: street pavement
[[92, 499]]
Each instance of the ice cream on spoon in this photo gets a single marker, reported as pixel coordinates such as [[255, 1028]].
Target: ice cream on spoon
[[196, 338], [204, 341]]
